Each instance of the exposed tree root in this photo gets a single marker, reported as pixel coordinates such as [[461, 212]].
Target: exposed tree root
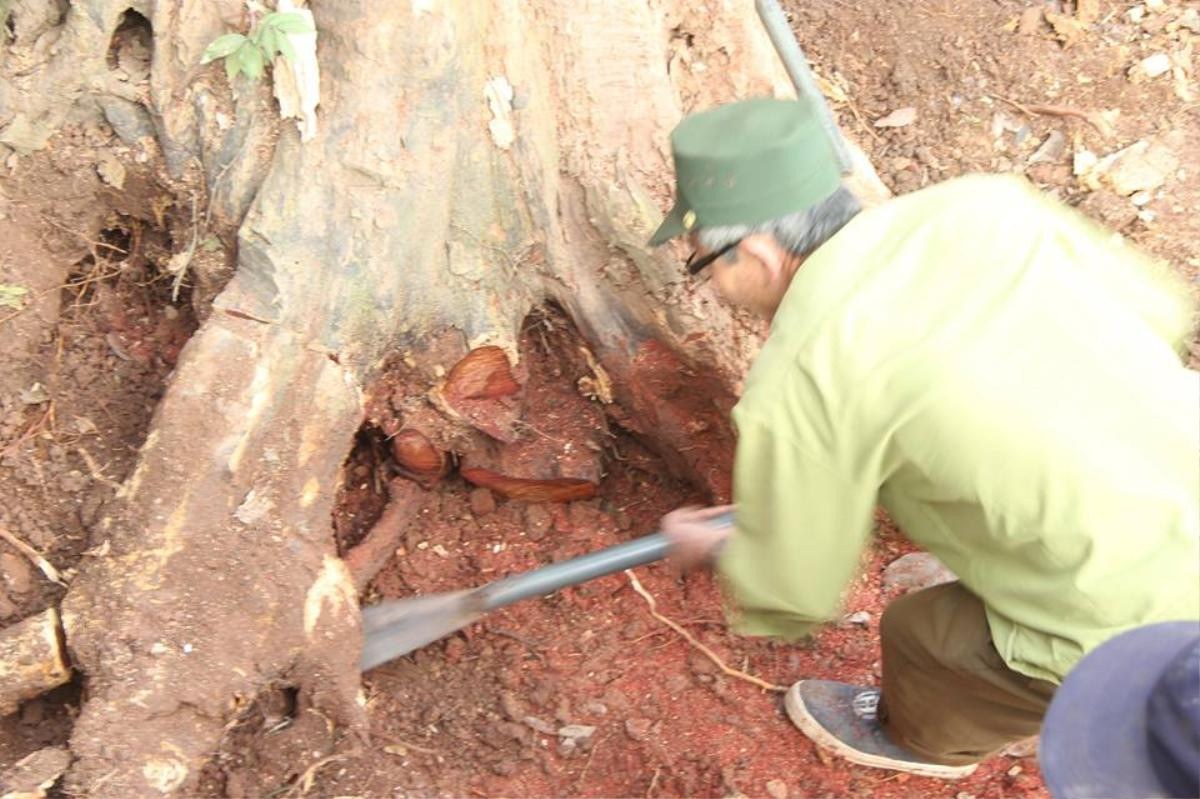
[[711, 655]]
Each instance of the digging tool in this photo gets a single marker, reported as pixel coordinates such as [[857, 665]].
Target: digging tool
[[400, 626], [781, 35]]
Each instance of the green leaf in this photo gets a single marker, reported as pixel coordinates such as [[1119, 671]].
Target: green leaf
[[285, 47], [12, 296], [289, 22], [269, 42], [222, 47], [252, 62], [233, 64]]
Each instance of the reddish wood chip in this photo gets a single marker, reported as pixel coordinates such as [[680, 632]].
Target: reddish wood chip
[[556, 490], [417, 456], [484, 373]]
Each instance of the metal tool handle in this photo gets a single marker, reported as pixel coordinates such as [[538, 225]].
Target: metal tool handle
[[549, 579], [802, 77]]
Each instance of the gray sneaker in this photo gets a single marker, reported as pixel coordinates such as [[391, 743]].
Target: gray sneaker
[[842, 719]]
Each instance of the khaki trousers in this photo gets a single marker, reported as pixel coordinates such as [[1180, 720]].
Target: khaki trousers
[[947, 694]]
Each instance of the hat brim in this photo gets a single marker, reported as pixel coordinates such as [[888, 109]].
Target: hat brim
[[1094, 738], [671, 227]]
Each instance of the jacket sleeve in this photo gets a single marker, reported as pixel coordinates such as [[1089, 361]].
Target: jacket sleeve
[[801, 528]]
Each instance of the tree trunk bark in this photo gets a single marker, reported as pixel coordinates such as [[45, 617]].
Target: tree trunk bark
[[475, 160]]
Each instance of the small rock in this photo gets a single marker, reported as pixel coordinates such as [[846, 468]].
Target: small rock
[[129, 120], [777, 789], [537, 521], [455, 649], [17, 573], [915, 571], [482, 501], [1116, 212], [1014, 771], [1190, 19], [596, 708], [111, 171], [1151, 66], [34, 395], [540, 725], [861, 618], [1155, 5], [1135, 14], [638, 729], [1084, 162], [898, 118], [1052, 149], [1142, 166], [576, 732], [1141, 198]]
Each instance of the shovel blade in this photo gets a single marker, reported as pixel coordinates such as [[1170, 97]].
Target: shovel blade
[[396, 628]]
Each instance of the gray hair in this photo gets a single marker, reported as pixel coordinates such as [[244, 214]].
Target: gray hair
[[799, 233]]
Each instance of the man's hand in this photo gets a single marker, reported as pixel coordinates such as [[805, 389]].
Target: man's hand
[[694, 536]]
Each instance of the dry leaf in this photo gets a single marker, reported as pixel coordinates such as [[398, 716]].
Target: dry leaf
[[898, 118]]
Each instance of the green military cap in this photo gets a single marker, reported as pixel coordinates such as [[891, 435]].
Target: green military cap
[[746, 163]]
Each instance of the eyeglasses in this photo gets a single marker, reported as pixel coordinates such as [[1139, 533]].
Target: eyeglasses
[[694, 264]]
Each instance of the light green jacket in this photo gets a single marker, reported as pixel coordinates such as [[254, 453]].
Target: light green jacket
[[1005, 378]]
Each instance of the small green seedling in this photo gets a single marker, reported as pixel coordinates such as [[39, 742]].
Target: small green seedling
[[250, 53]]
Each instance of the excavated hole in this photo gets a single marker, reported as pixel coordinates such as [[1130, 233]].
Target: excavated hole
[[562, 432], [464, 535], [128, 257]]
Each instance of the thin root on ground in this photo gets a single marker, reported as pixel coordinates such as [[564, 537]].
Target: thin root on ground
[[730, 671]]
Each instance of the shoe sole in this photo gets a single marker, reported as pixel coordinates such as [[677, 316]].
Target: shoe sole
[[808, 725]]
